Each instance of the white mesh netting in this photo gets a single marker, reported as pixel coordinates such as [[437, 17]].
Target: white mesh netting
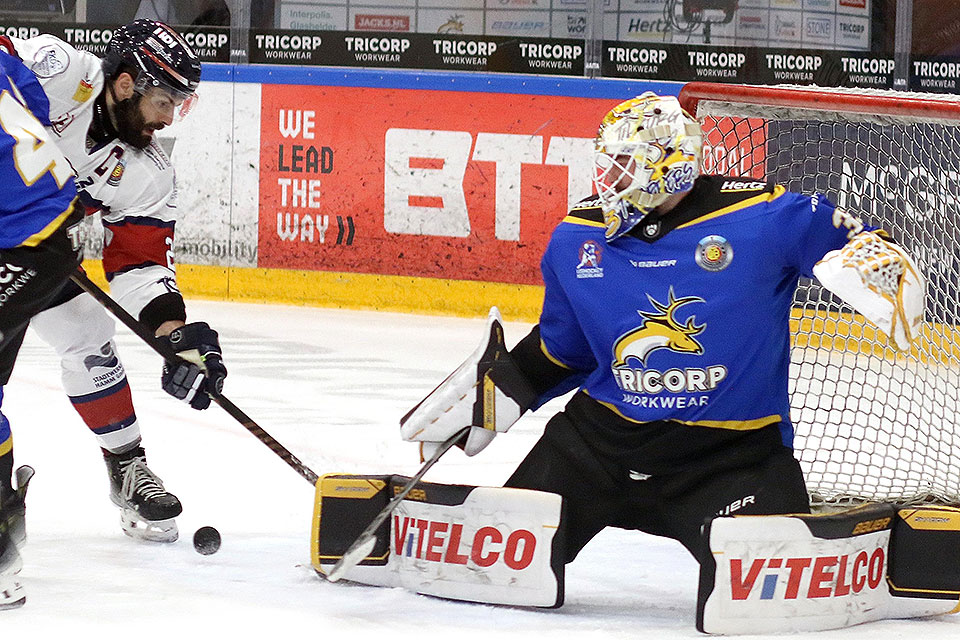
[[871, 424]]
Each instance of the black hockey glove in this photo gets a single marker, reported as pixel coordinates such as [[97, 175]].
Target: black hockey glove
[[201, 372]]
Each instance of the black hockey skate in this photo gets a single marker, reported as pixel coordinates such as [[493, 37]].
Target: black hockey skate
[[147, 509], [11, 591], [13, 535]]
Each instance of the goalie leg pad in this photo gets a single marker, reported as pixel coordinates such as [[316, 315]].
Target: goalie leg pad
[[480, 544], [925, 554], [784, 574]]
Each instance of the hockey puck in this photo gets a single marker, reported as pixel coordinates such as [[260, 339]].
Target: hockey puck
[[206, 540]]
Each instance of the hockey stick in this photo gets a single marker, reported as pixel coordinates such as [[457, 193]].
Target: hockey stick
[[365, 542], [168, 354]]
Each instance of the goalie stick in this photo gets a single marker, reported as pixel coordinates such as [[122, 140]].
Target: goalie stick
[[168, 354], [365, 542]]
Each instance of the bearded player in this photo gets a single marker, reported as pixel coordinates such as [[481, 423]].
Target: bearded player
[[103, 115]]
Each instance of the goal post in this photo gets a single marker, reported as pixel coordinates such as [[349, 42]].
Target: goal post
[[872, 424]]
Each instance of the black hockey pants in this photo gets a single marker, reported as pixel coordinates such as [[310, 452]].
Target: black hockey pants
[[674, 505], [30, 277]]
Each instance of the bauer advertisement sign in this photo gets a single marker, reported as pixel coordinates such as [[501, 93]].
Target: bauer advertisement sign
[[458, 185]]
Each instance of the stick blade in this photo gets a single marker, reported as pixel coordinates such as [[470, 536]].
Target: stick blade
[[354, 556]]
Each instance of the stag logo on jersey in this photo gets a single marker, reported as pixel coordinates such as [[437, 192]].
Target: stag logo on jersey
[[714, 253], [591, 253], [662, 330]]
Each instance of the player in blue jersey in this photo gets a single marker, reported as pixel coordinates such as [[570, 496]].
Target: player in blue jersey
[[667, 304], [38, 251]]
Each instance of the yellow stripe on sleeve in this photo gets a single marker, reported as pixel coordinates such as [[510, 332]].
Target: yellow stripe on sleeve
[[52, 226], [551, 358]]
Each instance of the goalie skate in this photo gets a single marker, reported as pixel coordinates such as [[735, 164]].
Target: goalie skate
[[147, 510]]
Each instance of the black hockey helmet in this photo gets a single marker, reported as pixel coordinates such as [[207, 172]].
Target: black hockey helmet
[[160, 55]]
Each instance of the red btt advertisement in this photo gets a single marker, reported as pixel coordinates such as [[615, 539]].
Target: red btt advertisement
[[466, 186]]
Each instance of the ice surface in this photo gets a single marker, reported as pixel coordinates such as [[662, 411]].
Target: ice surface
[[331, 386]]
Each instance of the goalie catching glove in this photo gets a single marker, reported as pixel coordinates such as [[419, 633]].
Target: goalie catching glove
[[880, 281], [487, 392], [200, 373]]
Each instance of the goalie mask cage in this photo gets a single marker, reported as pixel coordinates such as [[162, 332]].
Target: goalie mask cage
[[872, 424]]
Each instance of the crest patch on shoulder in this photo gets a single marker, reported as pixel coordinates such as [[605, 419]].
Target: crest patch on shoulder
[[50, 60]]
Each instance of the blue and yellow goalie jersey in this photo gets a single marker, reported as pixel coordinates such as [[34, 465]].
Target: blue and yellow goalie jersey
[[38, 186], [686, 319]]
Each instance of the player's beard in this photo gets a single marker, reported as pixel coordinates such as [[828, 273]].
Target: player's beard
[[132, 127]]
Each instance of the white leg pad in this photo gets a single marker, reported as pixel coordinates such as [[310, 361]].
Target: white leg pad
[[480, 544], [785, 574]]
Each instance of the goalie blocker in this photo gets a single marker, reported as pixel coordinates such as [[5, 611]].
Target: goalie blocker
[[480, 544], [774, 574]]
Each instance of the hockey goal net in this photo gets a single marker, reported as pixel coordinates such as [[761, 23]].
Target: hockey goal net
[[872, 424]]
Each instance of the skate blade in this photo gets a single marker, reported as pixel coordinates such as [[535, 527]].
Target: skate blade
[[12, 594], [148, 530]]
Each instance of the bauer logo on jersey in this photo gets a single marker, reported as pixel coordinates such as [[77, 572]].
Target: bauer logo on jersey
[[591, 253], [661, 330], [714, 253]]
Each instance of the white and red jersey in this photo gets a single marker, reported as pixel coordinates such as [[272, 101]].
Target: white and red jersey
[[134, 189]]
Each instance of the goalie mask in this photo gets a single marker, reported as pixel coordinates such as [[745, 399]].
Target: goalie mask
[[647, 149]]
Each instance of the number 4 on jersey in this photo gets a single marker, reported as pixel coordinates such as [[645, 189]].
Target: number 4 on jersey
[[33, 154]]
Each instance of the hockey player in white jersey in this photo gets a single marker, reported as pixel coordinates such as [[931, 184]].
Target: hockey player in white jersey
[[103, 115]]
